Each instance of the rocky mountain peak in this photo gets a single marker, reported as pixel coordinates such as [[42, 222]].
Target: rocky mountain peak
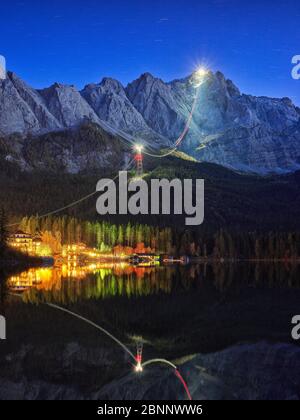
[[145, 83], [110, 102], [239, 131], [147, 76], [113, 84], [233, 90], [67, 105]]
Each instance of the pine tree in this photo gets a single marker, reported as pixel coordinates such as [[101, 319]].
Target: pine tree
[[120, 239]]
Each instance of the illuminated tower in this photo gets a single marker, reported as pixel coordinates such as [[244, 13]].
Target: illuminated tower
[[138, 157], [139, 357], [2, 68]]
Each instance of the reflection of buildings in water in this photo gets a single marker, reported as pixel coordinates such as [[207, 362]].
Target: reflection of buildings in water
[[72, 282], [34, 277]]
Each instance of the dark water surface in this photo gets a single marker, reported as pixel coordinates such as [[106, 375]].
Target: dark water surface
[[178, 309], [71, 284]]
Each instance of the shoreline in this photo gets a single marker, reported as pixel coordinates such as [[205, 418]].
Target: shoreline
[[15, 262], [240, 260]]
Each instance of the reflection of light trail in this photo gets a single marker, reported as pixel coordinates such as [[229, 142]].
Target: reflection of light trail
[[177, 373], [163, 361], [138, 365], [82, 318], [138, 359]]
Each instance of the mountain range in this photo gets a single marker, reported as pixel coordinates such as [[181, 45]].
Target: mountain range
[[238, 131]]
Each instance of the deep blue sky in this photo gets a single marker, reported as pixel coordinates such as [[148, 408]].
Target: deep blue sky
[[80, 41]]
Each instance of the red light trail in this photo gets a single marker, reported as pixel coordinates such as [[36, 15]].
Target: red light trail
[[178, 374], [139, 367]]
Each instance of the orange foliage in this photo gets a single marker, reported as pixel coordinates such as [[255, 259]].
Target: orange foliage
[[127, 250]]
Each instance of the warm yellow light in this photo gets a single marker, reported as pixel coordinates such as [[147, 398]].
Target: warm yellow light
[[139, 148], [139, 367], [201, 72]]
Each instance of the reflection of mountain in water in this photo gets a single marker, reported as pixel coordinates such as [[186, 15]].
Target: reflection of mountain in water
[[70, 284]]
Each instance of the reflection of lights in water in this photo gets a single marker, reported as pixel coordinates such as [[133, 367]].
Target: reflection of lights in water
[[34, 277], [139, 148], [138, 368], [70, 283]]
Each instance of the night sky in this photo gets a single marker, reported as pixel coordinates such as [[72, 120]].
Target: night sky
[[78, 42]]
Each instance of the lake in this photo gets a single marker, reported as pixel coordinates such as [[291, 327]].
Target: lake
[[69, 284], [175, 310], [201, 307]]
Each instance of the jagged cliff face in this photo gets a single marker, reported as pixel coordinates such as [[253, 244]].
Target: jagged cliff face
[[110, 102], [245, 132], [158, 104], [239, 131], [67, 105], [16, 114]]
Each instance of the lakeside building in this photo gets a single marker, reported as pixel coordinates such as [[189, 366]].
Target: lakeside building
[[24, 242]]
